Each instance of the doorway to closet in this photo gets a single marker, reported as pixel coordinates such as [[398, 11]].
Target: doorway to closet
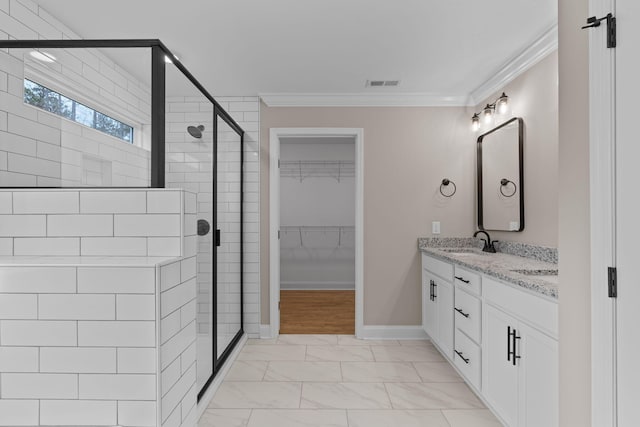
[[317, 235], [316, 231]]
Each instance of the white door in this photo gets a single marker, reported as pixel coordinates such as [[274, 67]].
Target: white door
[[628, 211], [430, 307], [499, 375], [538, 378], [444, 293]]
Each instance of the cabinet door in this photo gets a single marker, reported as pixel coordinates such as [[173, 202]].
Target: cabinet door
[[429, 308], [499, 375], [538, 379], [444, 298]]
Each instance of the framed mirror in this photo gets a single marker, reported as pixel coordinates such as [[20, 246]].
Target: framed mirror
[[500, 177]]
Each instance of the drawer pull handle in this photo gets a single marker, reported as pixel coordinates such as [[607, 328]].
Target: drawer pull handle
[[465, 360], [462, 279], [461, 312], [514, 352], [509, 344]]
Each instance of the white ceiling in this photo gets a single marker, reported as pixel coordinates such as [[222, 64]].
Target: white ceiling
[[249, 47]]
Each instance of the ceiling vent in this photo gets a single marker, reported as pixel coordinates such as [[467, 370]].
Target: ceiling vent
[[381, 83]]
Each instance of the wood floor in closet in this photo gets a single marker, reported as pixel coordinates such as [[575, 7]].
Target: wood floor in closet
[[317, 312]]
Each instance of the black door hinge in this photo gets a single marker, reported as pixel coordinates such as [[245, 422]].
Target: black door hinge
[[278, 163], [613, 282], [593, 22]]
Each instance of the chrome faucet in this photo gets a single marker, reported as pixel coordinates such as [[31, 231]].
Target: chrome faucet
[[488, 244]]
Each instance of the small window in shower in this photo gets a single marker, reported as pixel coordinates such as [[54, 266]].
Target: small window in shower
[[53, 102]]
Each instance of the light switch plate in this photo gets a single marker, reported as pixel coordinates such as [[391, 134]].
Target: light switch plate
[[435, 227]]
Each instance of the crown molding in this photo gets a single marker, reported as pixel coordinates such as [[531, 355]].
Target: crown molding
[[362, 100], [534, 53], [507, 72]]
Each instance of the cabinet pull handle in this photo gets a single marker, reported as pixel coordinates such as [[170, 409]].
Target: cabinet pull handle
[[431, 290], [462, 279], [514, 338], [465, 360], [461, 312], [509, 344], [435, 295]]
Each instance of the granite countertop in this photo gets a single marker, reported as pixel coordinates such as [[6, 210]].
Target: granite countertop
[[84, 261], [500, 265]]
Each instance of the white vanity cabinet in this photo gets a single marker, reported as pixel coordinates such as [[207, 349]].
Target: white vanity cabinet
[[501, 338], [520, 366], [437, 303]]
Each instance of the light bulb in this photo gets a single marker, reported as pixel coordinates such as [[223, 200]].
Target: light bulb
[[502, 104], [475, 123], [487, 113]]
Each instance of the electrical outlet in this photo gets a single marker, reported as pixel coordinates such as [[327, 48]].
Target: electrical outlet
[[435, 227]]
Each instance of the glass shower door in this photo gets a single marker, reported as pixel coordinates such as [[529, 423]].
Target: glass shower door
[[189, 154], [229, 245]]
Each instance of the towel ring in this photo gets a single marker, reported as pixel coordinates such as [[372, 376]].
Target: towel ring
[[505, 182], [445, 183]]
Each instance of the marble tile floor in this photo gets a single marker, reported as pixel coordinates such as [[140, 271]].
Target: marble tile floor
[[340, 381]]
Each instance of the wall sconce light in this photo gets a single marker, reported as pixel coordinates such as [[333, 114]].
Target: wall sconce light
[[499, 106]]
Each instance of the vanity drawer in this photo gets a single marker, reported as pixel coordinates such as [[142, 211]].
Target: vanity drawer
[[466, 357], [468, 280], [468, 314], [440, 268]]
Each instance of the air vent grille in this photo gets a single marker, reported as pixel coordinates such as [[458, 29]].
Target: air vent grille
[[381, 83]]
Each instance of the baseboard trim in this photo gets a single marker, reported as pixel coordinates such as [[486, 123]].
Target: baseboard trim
[[215, 384], [317, 286], [393, 332], [265, 331]]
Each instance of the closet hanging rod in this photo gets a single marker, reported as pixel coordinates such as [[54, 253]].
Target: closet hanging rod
[[302, 169]]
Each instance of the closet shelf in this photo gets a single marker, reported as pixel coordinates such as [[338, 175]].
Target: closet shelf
[[302, 169], [304, 229]]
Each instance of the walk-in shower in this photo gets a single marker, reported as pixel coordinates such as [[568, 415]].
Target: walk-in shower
[[114, 113]]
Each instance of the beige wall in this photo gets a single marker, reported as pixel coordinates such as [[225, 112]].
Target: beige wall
[[534, 97], [574, 237], [407, 152]]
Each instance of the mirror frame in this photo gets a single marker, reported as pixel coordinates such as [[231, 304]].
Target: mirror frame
[[520, 168]]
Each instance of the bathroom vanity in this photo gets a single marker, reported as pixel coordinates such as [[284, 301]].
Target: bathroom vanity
[[494, 316]]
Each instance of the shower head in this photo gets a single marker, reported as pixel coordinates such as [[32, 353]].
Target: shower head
[[195, 132]]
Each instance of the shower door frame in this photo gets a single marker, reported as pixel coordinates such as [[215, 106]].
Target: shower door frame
[[159, 52]]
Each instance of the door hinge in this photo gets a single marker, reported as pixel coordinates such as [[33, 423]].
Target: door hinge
[[278, 305], [594, 22], [278, 234], [278, 163], [613, 282]]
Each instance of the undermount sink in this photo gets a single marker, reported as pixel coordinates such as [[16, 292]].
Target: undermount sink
[[463, 251], [548, 275]]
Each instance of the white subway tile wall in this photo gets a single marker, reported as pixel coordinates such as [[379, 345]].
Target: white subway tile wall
[[94, 222], [38, 148], [81, 342], [187, 161]]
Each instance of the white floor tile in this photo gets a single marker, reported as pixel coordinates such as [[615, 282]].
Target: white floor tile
[[260, 341], [437, 372], [308, 339], [249, 394], [432, 396], [273, 352], [352, 340], [247, 370], [332, 353], [368, 372], [225, 417], [471, 418], [344, 396], [406, 354], [298, 418], [303, 371], [396, 418]]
